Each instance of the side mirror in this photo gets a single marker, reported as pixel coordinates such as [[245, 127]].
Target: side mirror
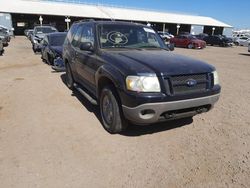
[[86, 46], [170, 46]]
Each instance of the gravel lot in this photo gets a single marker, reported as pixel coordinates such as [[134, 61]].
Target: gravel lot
[[50, 138]]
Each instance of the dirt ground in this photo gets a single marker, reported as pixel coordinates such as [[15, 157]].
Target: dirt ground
[[51, 138]]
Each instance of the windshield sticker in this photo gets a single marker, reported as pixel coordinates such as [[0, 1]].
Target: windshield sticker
[[148, 30], [117, 38]]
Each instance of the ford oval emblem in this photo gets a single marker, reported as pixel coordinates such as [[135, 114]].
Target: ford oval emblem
[[191, 82]]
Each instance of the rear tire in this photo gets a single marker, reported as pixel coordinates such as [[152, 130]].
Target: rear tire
[[111, 113], [69, 77]]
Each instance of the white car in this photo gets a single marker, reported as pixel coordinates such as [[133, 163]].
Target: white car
[[165, 35], [242, 41]]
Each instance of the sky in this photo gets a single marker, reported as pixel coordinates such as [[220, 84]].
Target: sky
[[235, 13]]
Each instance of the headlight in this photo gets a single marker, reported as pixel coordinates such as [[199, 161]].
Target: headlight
[[216, 78], [143, 83]]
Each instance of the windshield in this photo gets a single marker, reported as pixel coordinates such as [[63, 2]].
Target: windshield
[[127, 36], [57, 40], [45, 30]]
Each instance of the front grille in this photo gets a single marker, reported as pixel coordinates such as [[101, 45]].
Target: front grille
[[180, 84]]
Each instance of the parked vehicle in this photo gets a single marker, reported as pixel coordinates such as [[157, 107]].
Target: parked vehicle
[[165, 35], [38, 35], [27, 31], [188, 41], [242, 41], [51, 47], [4, 37], [127, 69], [1, 47], [249, 47], [237, 36], [30, 34], [218, 40], [6, 32], [201, 36]]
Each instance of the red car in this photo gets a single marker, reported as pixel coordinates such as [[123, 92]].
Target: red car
[[188, 41]]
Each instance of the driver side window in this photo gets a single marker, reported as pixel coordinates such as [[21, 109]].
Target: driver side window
[[76, 38], [87, 34]]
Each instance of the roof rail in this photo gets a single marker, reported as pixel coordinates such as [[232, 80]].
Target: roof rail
[[84, 20]]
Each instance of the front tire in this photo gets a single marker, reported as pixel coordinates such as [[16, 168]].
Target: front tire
[[111, 114], [69, 77], [190, 46]]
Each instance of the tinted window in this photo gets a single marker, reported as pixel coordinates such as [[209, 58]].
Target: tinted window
[[76, 37], [87, 34]]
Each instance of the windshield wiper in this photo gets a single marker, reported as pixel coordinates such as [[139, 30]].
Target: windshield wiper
[[149, 46]]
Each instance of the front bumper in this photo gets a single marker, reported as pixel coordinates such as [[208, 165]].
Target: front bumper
[[155, 112]]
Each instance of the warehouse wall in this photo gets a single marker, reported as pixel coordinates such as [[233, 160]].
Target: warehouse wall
[[196, 29]]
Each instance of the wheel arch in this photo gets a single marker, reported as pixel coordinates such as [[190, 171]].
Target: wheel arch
[[107, 75]]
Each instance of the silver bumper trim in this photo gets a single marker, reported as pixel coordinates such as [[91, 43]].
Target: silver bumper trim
[[157, 109]]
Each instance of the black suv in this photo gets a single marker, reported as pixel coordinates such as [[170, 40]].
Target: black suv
[[127, 70]]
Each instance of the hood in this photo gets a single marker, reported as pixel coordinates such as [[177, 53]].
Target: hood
[[40, 35], [161, 62], [57, 49]]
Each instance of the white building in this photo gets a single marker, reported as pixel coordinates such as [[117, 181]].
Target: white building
[[26, 13]]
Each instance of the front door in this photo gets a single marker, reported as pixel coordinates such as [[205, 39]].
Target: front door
[[86, 60]]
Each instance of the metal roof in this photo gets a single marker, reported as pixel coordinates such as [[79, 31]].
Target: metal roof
[[105, 12]]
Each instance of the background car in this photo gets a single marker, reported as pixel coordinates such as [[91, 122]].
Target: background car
[[1, 47], [51, 47], [218, 40], [201, 36], [6, 32], [4, 37], [27, 32], [38, 35], [249, 47], [242, 41], [165, 35], [188, 41], [30, 34]]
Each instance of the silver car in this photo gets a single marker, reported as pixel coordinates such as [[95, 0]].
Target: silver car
[[38, 35], [242, 41]]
